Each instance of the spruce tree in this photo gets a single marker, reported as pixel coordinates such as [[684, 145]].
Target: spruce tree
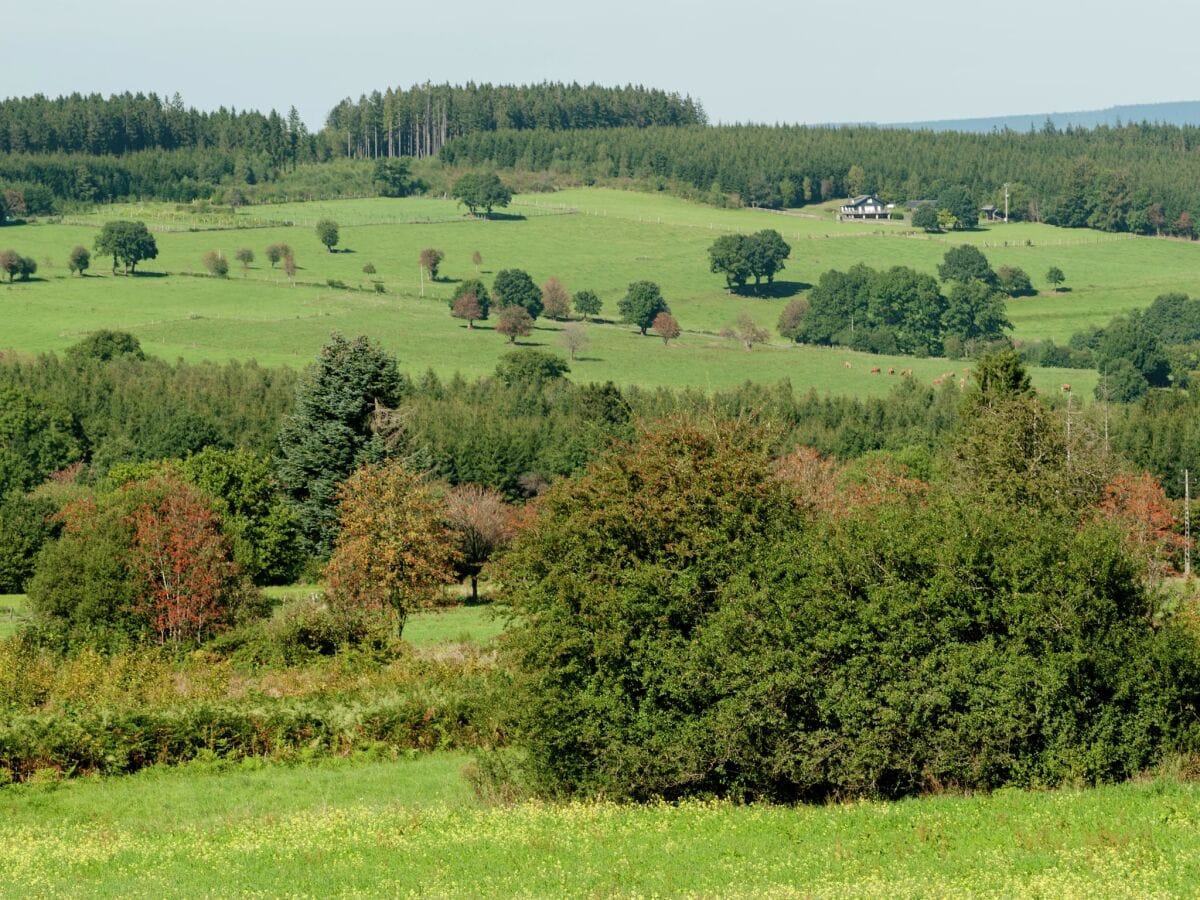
[[329, 434]]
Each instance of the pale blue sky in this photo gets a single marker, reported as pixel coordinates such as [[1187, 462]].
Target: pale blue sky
[[759, 60]]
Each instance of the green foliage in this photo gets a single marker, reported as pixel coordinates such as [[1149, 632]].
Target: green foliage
[[37, 437], [530, 367], [961, 205], [1173, 318], [481, 190], [682, 628], [1014, 282], [897, 311], [642, 303], [262, 527], [1055, 276], [925, 216], [514, 287], [966, 263], [974, 312], [108, 743], [105, 345], [143, 559], [129, 243], [392, 177], [742, 256], [329, 433], [1130, 340], [26, 524], [587, 303], [327, 233]]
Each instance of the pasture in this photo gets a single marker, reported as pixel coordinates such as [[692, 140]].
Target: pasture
[[413, 827], [591, 238]]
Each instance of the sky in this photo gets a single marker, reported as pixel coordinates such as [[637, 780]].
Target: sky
[[745, 60]]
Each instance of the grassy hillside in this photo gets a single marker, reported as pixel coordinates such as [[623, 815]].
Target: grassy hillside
[[412, 827], [590, 238]]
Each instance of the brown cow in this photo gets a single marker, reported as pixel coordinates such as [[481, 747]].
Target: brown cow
[[874, 370]]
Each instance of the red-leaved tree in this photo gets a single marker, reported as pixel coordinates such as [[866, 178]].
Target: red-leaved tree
[[1138, 504], [184, 574]]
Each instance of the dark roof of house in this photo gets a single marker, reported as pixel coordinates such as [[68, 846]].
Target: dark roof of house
[[863, 200]]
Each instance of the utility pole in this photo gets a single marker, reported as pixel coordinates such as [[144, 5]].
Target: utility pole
[[1006, 203]]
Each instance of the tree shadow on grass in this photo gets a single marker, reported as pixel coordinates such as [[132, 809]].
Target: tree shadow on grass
[[775, 291], [146, 274], [502, 217]]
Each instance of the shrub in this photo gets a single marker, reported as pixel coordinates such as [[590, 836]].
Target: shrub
[[216, 264], [683, 627]]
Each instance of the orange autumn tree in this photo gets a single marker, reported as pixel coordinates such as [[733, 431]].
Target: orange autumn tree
[[1138, 504], [186, 580], [394, 548]]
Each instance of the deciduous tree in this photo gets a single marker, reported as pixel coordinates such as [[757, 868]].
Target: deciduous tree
[[185, 579], [574, 338], [481, 191], [393, 548], [643, 301], [128, 243], [216, 264], [556, 301], [245, 256], [665, 327], [514, 322], [431, 258], [587, 304], [746, 331], [482, 525], [327, 233], [79, 260], [514, 287]]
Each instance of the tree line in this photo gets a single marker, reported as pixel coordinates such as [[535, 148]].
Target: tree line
[[94, 125], [418, 121], [1135, 177]]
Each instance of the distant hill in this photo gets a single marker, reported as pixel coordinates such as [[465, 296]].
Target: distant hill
[[1186, 112]]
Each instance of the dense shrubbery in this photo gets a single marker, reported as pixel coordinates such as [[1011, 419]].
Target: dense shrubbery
[[686, 626]]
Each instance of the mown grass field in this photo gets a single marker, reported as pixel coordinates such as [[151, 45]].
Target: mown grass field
[[413, 827], [590, 238]]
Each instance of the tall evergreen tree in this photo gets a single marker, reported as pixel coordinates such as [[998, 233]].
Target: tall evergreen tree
[[329, 434]]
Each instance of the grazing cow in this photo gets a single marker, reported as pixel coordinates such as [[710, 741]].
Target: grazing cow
[[891, 371], [1066, 388], [874, 370], [846, 365], [937, 382]]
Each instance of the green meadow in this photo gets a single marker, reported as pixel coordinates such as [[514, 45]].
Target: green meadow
[[412, 827], [597, 239]]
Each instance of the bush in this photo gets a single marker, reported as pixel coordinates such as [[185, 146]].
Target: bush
[[683, 627]]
